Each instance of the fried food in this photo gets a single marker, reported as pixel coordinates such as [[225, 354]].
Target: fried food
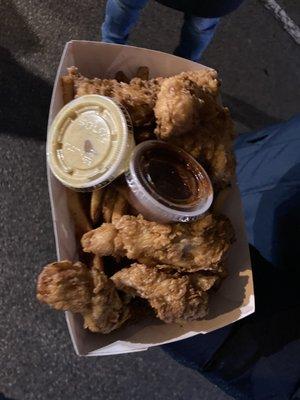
[[138, 96], [138, 100], [77, 211], [185, 101], [121, 77], [217, 153], [107, 312], [202, 244], [174, 298], [177, 107], [67, 88], [95, 207], [65, 286], [98, 263], [73, 287], [206, 80], [212, 144], [178, 265], [120, 208], [108, 203], [143, 73]]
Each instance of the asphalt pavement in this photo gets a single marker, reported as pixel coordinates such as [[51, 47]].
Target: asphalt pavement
[[259, 64]]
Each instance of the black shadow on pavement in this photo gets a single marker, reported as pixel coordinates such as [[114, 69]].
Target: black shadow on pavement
[[15, 33], [247, 114], [25, 99]]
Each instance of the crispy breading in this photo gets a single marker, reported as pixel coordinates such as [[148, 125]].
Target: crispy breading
[[73, 287], [202, 244], [206, 79], [174, 298], [96, 205], [212, 144], [177, 107], [65, 286]]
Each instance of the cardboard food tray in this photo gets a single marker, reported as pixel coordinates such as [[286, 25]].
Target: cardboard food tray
[[233, 301]]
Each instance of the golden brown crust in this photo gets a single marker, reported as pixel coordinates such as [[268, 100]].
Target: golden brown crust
[[178, 263], [142, 73], [65, 286], [187, 247], [73, 287], [174, 298], [120, 208], [121, 77], [206, 79], [67, 88], [96, 206], [212, 144], [77, 211], [107, 311], [108, 204], [177, 107]]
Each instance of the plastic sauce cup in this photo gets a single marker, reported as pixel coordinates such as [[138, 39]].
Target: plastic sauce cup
[[90, 142], [166, 184]]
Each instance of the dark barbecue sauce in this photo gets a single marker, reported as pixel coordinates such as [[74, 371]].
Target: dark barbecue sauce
[[167, 173]]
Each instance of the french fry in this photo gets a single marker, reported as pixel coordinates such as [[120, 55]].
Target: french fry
[[76, 208], [68, 88], [95, 206], [143, 73], [120, 208], [108, 203], [121, 77], [98, 263]]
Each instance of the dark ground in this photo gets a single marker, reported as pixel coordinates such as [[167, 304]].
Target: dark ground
[[259, 64]]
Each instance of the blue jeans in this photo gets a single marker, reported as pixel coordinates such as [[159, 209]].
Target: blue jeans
[[258, 357], [122, 15]]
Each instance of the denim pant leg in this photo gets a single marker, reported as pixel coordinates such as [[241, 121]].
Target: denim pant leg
[[120, 18], [196, 34], [268, 170], [258, 356]]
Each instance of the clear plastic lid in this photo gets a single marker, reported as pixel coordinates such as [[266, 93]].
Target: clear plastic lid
[[90, 142], [167, 184]]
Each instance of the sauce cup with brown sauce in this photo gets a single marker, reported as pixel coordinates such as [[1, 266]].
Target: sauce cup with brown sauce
[[166, 184]]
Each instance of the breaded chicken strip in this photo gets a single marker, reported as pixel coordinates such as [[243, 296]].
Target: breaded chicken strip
[[174, 298], [206, 79], [137, 96], [212, 144], [73, 287], [177, 108], [202, 244]]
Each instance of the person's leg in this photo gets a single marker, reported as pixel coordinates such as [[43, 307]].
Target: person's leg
[[196, 34], [268, 171], [258, 356], [120, 18]]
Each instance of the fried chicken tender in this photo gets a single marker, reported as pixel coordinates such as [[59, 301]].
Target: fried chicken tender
[[177, 107], [217, 149], [138, 99], [138, 96], [73, 287], [202, 244], [184, 101], [206, 79], [212, 144], [65, 286], [174, 298], [107, 311]]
